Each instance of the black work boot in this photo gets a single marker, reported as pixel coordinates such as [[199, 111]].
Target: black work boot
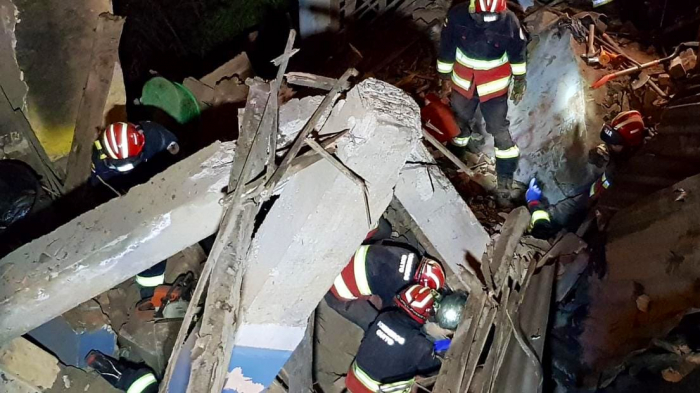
[[109, 368], [504, 190]]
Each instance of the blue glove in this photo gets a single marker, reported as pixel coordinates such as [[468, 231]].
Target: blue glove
[[442, 345], [534, 193]]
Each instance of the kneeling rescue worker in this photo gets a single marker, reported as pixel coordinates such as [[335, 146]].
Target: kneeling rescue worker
[[394, 350], [121, 374], [382, 271], [483, 48], [123, 146]]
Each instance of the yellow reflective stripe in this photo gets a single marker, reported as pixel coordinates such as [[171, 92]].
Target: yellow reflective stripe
[[539, 215], [463, 83], [142, 383], [592, 192], [342, 289], [98, 145], [482, 65], [150, 281], [444, 67], [361, 271], [460, 141], [492, 87], [376, 386], [606, 183], [518, 68], [513, 152]]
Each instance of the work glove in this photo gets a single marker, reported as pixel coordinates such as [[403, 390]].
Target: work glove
[[442, 345], [534, 192], [599, 156], [519, 88]]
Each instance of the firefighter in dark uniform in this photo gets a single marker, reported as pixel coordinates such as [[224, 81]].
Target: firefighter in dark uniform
[[483, 52], [622, 138], [116, 154], [381, 271], [394, 350]]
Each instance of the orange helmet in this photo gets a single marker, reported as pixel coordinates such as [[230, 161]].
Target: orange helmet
[[121, 141], [417, 301], [493, 6], [627, 128], [430, 274]]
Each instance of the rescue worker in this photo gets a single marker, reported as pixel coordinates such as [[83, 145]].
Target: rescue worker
[[622, 138], [448, 311], [121, 374], [380, 271], [394, 350], [483, 50], [151, 278], [122, 147]]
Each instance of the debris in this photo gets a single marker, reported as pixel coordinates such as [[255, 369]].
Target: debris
[[682, 194], [681, 65], [664, 80], [643, 302], [66, 382], [607, 78], [311, 80]]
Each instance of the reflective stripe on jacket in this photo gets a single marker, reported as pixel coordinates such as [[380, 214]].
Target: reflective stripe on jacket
[[357, 381], [481, 58]]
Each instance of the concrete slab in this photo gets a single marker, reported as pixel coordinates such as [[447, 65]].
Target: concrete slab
[[314, 227], [557, 122], [441, 216], [113, 242], [27, 365]]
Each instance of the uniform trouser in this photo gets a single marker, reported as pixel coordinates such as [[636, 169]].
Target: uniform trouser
[[149, 279], [360, 312], [495, 113]]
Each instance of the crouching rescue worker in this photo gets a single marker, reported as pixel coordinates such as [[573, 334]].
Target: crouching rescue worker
[[394, 350], [622, 138], [381, 271], [483, 50], [123, 375], [122, 147]]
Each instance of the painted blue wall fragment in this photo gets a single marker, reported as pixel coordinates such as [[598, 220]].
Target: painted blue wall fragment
[[260, 365], [70, 344]]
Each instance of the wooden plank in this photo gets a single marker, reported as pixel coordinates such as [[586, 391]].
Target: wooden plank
[[311, 80], [477, 347], [299, 367], [310, 125], [513, 229], [451, 373], [90, 113], [272, 111]]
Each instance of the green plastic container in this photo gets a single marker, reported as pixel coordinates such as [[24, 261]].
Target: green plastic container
[[172, 98]]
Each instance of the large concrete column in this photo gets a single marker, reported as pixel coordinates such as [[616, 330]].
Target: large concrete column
[[315, 226], [105, 246]]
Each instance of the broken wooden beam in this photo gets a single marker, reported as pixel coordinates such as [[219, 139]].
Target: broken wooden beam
[[513, 229], [311, 80], [310, 125], [105, 54]]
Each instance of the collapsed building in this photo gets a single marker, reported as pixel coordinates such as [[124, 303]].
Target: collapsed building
[[256, 227]]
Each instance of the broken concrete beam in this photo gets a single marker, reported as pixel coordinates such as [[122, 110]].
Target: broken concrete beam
[[113, 242], [26, 367], [441, 216], [239, 67], [72, 335], [316, 224]]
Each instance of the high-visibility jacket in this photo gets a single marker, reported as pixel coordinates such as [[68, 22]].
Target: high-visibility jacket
[[376, 270], [393, 352], [481, 58]]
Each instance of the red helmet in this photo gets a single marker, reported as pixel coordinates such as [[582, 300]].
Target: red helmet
[[490, 5], [430, 274], [627, 129], [417, 301], [122, 140]]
